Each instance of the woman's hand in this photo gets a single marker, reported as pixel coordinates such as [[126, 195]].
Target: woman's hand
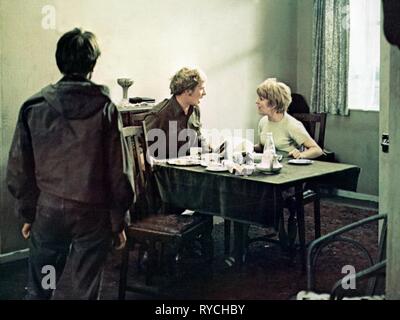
[[296, 154], [26, 230], [309, 150]]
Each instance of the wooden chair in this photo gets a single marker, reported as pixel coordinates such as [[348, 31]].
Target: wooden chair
[[315, 124], [151, 230]]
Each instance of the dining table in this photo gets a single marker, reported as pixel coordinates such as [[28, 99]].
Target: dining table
[[255, 199]]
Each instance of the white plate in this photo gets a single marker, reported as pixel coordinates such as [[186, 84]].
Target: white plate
[[271, 172], [204, 163], [183, 162], [217, 168], [300, 161]]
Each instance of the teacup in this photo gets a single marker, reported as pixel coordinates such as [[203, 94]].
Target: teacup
[[238, 158], [195, 153], [210, 158]]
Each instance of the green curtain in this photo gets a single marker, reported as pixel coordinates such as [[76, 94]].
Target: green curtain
[[330, 56]]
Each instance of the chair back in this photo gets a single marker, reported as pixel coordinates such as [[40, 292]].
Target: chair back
[[298, 104], [315, 124], [374, 272], [133, 138], [141, 167]]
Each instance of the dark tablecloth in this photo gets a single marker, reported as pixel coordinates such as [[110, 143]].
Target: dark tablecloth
[[245, 199]]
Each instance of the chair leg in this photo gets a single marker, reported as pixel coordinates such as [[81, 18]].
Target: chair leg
[[227, 236], [240, 242], [123, 273], [160, 257], [177, 262], [207, 244], [292, 227], [292, 234], [317, 218], [141, 257], [152, 261], [288, 238], [282, 235], [301, 225], [302, 236]]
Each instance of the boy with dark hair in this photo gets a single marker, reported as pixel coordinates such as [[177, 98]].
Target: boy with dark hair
[[65, 170]]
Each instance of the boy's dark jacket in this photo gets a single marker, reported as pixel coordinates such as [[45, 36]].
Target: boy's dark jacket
[[67, 144]]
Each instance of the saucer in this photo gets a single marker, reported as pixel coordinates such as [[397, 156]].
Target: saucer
[[268, 170], [204, 163], [300, 162], [217, 168], [183, 162]]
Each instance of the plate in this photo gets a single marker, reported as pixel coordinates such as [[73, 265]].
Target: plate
[[217, 168], [183, 162], [204, 163], [267, 170], [300, 162], [271, 172]]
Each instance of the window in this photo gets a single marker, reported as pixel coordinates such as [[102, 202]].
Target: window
[[364, 61]]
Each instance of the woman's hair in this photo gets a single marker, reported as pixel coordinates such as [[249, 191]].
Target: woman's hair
[[186, 79], [277, 93], [77, 52]]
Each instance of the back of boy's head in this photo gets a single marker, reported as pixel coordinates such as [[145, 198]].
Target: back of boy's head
[[77, 52]]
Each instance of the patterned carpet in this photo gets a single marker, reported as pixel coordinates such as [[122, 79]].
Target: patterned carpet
[[267, 274]]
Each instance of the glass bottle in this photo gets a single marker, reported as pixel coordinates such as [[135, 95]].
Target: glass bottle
[[269, 150]]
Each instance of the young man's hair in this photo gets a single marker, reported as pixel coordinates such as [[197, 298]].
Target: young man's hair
[[186, 79], [77, 52], [277, 93]]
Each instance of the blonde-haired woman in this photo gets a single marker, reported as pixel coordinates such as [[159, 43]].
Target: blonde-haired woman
[[289, 134]]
